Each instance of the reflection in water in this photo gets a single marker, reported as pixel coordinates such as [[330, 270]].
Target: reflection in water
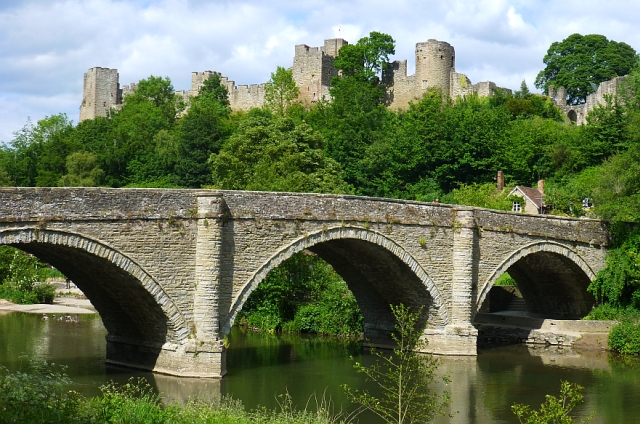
[[261, 366]]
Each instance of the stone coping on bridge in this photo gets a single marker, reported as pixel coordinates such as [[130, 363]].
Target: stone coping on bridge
[[62, 195]]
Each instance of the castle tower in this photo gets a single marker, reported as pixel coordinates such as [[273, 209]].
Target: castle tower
[[100, 93], [313, 69], [434, 62]]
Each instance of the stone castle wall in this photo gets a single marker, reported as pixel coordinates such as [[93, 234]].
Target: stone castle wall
[[101, 92], [578, 113], [313, 70]]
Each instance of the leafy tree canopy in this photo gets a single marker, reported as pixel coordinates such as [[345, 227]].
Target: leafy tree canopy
[[281, 91], [366, 59], [277, 155], [581, 62]]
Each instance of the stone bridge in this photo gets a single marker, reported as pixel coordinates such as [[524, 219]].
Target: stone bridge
[[169, 270]]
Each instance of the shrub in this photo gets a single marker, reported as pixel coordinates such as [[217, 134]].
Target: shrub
[[38, 395], [554, 410], [404, 376], [44, 292], [625, 337]]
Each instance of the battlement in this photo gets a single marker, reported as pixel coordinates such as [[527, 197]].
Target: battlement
[[313, 68]]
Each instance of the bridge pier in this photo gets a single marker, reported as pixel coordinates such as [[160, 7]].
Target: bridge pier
[[459, 336], [192, 359]]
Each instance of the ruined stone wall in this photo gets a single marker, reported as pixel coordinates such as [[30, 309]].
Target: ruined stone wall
[[313, 70], [401, 88], [100, 92], [578, 113]]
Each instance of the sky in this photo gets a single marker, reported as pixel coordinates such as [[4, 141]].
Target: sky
[[46, 46]]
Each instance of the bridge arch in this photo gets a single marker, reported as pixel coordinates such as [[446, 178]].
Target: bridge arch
[[133, 306], [416, 288], [537, 268]]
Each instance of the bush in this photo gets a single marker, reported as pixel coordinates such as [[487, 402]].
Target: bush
[[625, 337], [608, 312], [44, 292], [19, 272], [38, 396], [303, 294], [554, 409]]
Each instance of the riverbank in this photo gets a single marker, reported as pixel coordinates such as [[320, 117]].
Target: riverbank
[[514, 327], [67, 301]]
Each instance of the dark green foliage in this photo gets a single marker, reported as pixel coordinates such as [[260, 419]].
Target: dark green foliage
[[201, 132], [304, 294], [19, 273], [624, 337], [38, 395], [366, 59], [580, 62], [403, 376], [275, 154], [618, 284]]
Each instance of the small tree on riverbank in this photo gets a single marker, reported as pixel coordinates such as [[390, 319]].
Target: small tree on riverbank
[[403, 376], [554, 410]]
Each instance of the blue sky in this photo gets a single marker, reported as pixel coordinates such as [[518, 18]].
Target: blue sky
[[47, 45]]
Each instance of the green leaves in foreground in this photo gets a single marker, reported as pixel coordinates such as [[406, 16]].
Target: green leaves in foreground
[[554, 410], [404, 376]]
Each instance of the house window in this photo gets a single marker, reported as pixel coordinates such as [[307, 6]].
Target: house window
[[516, 206]]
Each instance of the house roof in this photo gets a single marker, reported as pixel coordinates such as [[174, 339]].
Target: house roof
[[533, 194]]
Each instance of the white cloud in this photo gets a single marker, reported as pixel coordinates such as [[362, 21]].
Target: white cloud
[[47, 45]]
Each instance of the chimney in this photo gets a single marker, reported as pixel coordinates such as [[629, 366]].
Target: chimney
[[500, 184], [541, 187]]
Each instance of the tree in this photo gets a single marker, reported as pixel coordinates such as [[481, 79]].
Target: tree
[[275, 154], [403, 376], [554, 410], [581, 62], [201, 133], [83, 170], [367, 58], [281, 91]]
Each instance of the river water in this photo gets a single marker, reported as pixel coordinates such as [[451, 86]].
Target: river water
[[260, 367]]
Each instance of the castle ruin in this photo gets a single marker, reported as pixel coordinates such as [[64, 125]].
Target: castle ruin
[[578, 113], [312, 71]]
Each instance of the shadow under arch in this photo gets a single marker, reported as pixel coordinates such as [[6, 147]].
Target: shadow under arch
[[552, 278], [378, 271], [133, 306]]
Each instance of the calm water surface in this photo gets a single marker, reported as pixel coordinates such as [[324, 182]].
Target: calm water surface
[[262, 366]]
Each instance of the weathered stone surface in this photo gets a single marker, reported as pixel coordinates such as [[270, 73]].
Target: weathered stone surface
[[168, 270]]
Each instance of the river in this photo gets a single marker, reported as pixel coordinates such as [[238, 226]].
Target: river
[[262, 366]]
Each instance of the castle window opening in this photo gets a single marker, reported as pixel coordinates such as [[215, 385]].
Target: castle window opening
[[424, 84], [572, 115], [516, 206], [441, 57]]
